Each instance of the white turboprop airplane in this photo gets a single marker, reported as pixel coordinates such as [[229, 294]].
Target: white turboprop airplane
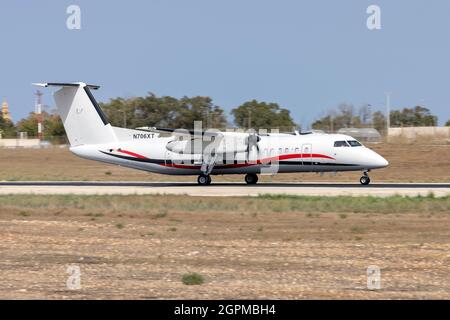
[[203, 153]]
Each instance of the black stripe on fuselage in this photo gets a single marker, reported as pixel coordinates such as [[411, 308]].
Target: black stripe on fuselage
[[155, 161], [225, 166]]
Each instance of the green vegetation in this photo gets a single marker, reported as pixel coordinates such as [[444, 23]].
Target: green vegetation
[[52, 124], [256, 115], [156, 205], [413, 117], [7, 128], [346, 115], [347, 204], [356, 229], [161, 214], [120, 226], [164, 112], [192, 279]]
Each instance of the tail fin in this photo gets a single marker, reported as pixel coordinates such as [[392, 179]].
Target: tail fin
[[84, 121]]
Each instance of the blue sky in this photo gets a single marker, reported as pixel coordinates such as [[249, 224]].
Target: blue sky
[[308, 56]]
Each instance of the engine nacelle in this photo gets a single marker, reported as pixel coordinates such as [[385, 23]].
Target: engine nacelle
[[221, 144]]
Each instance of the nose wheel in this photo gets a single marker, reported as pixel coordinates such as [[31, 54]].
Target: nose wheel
[[204, 180], [364, 180]]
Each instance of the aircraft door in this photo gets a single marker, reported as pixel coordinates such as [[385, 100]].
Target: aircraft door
[[307, 154]]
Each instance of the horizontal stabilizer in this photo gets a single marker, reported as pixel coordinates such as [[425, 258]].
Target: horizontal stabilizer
[[67, 84]]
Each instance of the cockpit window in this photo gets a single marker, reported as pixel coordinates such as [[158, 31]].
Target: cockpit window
[[341, 144], [354, 143]]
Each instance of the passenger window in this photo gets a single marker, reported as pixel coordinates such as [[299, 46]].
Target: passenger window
[[297, 150], [286, 150], [341, 144], [280, 150]]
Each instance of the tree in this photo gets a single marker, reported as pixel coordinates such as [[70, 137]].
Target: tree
[[379, 121], [164, 112], [52, 125], [447, 124], [344, 117], [262, 115], [7, 128], [413, 117]]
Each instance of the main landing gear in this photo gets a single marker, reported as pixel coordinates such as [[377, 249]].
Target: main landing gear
[[365, 180], [251, 178], [204, 180]]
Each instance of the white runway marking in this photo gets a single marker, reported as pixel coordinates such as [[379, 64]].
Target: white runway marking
[[224, 189]]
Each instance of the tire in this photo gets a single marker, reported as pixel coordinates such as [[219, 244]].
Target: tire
[[209, 180], [251, 178], [203, 180], [364, 180]]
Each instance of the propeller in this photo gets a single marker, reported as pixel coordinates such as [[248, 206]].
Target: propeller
[[252, 141]]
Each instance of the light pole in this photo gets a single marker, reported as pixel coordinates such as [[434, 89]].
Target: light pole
[[388, 112]]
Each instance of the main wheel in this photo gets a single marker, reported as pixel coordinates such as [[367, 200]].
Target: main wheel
[[203, 180], [365, 180], [251, 178]]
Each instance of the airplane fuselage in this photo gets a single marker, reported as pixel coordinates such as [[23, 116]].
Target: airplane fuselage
[[277, 153]]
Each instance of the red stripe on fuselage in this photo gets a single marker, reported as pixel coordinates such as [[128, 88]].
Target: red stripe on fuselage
[[297, 155], [132, 154], [252, 163], [237, 165]]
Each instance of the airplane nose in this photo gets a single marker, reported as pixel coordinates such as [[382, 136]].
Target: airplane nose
[[380, 162], [384, 162], [374, 160]]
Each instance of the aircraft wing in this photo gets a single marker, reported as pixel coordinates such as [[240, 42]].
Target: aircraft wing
[[182, 132]]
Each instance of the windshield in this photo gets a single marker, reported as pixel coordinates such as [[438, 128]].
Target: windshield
[[354, 143], [341, 144]]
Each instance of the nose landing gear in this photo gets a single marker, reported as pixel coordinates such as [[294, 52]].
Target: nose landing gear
[[204, 180], [364, 180]]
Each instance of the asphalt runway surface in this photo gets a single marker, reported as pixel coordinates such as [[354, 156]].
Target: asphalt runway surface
[[223, 189]]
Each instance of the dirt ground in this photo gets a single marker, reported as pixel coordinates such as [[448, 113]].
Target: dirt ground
[[242, 255], [408, 163]]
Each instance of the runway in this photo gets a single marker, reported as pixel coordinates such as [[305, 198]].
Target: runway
[[223, 189]]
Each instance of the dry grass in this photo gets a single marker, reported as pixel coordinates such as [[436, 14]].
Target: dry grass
[[159, 207], [408, 163]]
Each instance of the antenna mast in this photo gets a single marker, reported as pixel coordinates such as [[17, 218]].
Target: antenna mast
[[38, 110]]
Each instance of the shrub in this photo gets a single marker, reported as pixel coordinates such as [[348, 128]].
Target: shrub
[[193, 278]]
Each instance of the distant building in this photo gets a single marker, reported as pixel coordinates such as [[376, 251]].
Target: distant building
[[363, 134], [5, 111], [417, 133]]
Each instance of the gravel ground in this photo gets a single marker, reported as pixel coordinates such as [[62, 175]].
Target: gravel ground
[[241, 255]]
